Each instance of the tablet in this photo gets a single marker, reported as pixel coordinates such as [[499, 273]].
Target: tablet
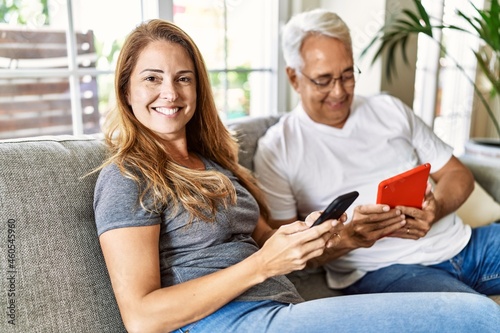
[[406, 189]]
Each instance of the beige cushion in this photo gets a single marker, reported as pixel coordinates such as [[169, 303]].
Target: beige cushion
[[479, 209]]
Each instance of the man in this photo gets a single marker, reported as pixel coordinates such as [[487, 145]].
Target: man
[[334, 142]]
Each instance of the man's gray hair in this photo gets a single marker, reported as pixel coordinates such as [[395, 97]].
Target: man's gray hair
[[317, 21]]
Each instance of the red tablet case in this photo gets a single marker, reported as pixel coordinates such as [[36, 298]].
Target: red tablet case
[[405, 189]]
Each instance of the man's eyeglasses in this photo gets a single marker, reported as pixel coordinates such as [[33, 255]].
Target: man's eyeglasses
[[326, 84]]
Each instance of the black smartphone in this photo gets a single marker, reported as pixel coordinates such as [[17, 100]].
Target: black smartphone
[[337, 207]]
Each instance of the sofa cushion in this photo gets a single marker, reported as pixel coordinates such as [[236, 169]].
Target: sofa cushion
[[479, 209], [311, 284], [52, 269]]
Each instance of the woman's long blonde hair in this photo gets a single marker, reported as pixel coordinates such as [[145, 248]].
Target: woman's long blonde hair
[[141, 156]]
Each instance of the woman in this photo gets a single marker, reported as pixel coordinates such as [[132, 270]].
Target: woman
[[182, 225]]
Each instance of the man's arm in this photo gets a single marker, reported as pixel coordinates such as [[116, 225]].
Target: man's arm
[[275, 224], [454, 184]]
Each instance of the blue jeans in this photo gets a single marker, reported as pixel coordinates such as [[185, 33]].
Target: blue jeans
[[476, 269], [408, 312]]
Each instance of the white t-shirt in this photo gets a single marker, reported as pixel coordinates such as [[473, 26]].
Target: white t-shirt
[[302, 165]]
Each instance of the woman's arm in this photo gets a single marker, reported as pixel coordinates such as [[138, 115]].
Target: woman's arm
[[132, 259]]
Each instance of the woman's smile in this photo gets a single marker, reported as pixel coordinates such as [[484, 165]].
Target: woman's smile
[[166, 111]]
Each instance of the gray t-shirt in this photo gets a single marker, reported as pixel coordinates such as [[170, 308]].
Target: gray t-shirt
[[190, 250]]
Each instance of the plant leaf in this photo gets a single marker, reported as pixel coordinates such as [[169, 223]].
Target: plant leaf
[[424, 15], [482, 61]]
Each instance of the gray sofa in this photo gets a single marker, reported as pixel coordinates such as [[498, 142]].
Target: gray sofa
[[52, 273]]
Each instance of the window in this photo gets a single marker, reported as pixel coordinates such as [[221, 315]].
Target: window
[[238, 52], [444, 96], [57, 57], [56, 61]]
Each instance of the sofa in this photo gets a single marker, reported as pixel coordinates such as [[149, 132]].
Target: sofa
[[52, 273]]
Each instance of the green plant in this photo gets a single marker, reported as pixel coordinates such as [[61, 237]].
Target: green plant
[[17, 11], [485, 24]]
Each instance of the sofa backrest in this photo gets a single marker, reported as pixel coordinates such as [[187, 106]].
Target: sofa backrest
[[248, 131], [53, 276]]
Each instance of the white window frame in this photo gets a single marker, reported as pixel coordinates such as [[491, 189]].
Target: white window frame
[[455, 132], [151, 9]]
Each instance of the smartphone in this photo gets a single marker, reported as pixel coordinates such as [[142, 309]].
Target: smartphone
[[337, 207], [405, 189]]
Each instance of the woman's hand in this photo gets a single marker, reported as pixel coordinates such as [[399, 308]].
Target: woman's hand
[[335, 231], [293, 245]]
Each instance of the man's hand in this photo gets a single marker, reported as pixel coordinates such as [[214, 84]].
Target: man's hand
[[369, 224], [419, 221]]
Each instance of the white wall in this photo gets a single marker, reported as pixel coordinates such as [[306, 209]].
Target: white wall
[[364, 19]]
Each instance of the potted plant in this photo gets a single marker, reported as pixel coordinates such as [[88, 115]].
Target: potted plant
[[485, 24]]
